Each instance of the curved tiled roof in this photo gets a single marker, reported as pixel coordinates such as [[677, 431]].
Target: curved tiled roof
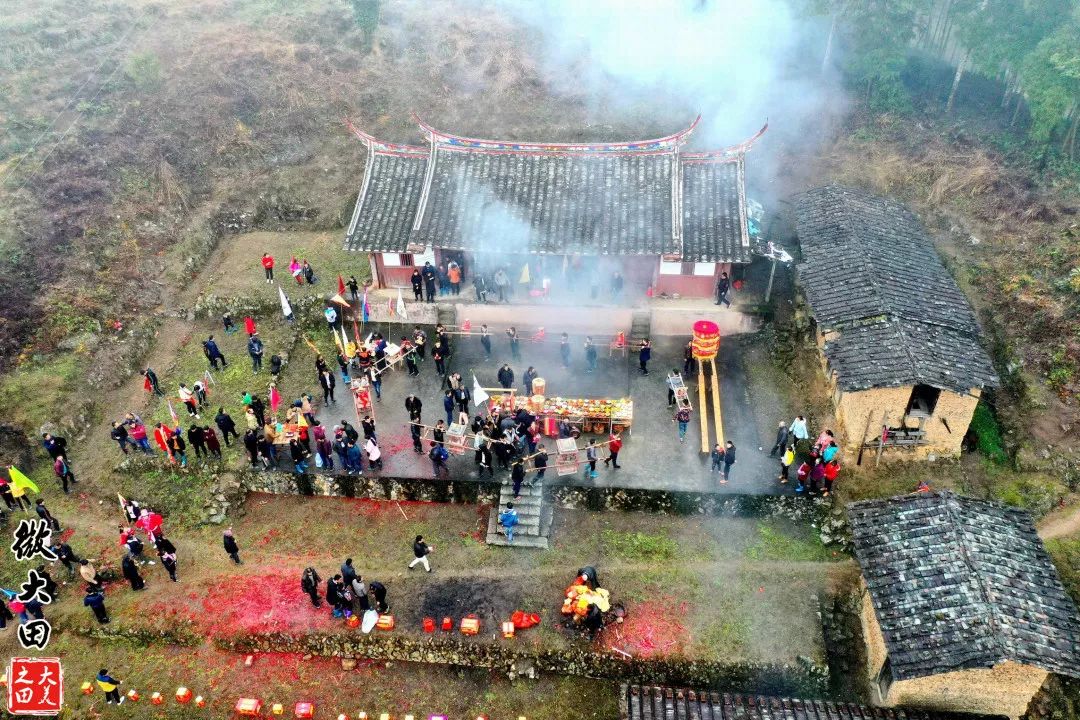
[[626, 198]]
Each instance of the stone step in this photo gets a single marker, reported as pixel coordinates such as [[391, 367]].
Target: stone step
[[531, 525], [520, 541]]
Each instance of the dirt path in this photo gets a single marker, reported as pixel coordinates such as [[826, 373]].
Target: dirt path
[[99, 453], [1061, 523]]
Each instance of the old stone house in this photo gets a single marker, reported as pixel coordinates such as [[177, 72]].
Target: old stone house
[[898, 340], [963, 609], [664, 703]]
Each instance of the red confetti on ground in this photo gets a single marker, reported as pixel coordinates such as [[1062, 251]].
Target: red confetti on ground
[[272, 603], [650, 629]]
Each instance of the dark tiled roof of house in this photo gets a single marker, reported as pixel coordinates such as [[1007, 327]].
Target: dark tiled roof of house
[[615, 204], [386, 206], [713, 210], [644, 198], [870, 271], [960, 583], [664, 703]]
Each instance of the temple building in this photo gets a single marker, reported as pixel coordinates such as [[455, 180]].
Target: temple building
[[573, 213]]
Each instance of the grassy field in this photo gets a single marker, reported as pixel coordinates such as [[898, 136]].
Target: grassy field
[[396, 688], [753, 583]]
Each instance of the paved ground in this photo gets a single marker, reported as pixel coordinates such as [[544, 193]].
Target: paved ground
[[652, 456]]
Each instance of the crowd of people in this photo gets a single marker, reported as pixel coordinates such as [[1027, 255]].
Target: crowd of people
[[819, 461], [500, 283]]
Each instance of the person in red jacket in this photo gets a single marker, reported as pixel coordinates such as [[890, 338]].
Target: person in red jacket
[[614, 446], [268, 266], [249, 325], [161, 437]]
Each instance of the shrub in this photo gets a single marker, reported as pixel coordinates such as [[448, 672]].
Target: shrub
[[144, 70], [988, 434]]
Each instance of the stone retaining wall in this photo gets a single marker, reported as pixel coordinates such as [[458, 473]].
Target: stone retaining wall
[[801, 679]]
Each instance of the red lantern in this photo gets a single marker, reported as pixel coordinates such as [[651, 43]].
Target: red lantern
[[248, 707], [183, 695], [87, 688], [200, 701], [353, 621], [447, 624], [429, 625], [466, 325], [706, 342], [304, 710], [133, 695], [156, 699]]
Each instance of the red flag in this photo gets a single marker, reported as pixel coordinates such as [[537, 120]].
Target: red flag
[[340, 285]]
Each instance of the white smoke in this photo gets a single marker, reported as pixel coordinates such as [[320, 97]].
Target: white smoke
[[737, 62]]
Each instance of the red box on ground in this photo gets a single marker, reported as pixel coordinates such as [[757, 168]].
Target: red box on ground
[[35, 686]]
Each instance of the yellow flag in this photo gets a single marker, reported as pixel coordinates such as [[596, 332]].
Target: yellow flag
[[20, 480], [524, 275]]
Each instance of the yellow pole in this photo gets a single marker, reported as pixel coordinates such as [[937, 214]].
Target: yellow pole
[[703, 409], [718, 419]]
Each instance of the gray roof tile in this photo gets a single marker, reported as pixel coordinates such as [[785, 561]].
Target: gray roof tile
[[960, 583], [638, 702], [601, 199], [870, 271], [383, 218]]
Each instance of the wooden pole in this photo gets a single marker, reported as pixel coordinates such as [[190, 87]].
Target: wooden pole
[[703, 414], [718, 418], [772, 274], [881, 438], [862, 442]]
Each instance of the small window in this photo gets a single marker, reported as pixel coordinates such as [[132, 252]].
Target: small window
[[885, 680], [704, 269], [406, 259], [391, 259], [923, 401], [670, 268]]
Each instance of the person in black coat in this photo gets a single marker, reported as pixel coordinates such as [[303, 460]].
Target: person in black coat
[[417, 281], [54, 445], [259, 408], [197, 440], [309, 583], [428, 274], [5, 614], [226, 425], [328, 383], [527, 379], [378, 594], [95, 600], [644, 355], [506, 376], [131, 572], [413, 406], [229, 542], [251, 444]]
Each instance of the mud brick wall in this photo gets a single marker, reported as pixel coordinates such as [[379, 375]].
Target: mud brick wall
[[855, 408]]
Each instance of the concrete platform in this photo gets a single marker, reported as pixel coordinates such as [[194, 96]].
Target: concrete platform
[[652, 456]]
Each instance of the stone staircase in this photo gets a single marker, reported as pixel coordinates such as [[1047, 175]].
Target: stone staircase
[[640, 326], [535, 516]]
